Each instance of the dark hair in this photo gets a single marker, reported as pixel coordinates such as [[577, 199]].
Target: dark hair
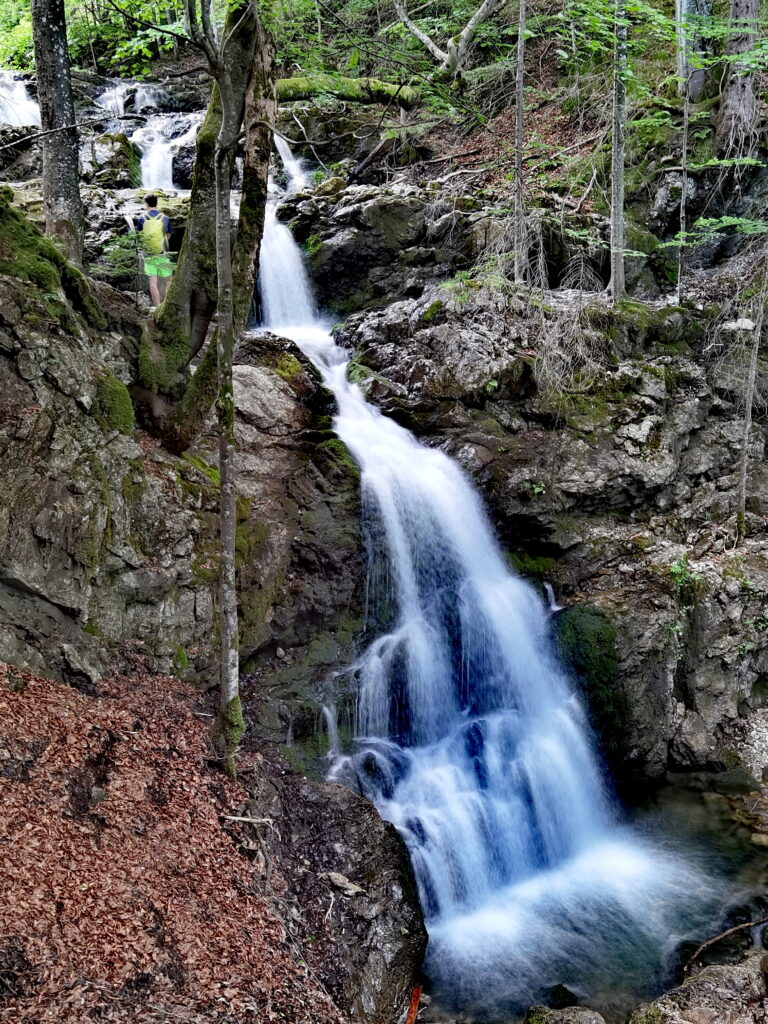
[[150, 200]]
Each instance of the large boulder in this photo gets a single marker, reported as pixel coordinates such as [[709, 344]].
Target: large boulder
[[729, 994], [111, 161], [360, 922]]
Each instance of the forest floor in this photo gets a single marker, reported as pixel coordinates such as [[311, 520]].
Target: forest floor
[[132, 896]]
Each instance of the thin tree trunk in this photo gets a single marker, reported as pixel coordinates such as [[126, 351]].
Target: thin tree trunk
[[260, 113], [521, 228], [683, 199], [749, 398], [229, 726], [617, 285], [61, 179]]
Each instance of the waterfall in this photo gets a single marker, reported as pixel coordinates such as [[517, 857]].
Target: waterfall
[[113, 99], [160, 137], [470, 737], [16, 107]]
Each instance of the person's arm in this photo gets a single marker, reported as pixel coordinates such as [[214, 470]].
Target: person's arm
[[167, 232]]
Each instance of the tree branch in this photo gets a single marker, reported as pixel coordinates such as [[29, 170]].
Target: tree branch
[[716, 938], [68, 127], [422, 36], [149, 24]]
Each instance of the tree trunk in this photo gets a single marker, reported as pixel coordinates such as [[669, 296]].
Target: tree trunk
[[736, 127], [683, 233], [61, 178], [749, 398], [358, 90], [174, 405], [521, 228], [617, 285], [691, 48], [229, 726], [260, 113]]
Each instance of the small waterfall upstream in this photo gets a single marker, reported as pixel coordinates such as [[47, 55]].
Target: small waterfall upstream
[[16, 106], [470, 738], [160, 137]]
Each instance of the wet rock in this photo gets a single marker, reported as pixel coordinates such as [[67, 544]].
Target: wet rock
[[20, 156], [733, 994], [111, 161], [353, 888], [571, 1015]]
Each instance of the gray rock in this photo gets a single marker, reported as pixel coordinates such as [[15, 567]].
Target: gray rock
[[732, 994]]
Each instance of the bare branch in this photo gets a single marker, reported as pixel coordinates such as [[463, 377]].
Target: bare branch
[[422, 36], [149, 24], [483, 12]]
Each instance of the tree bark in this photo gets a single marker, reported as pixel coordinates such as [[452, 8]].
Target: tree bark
[[260, 113], [617, 285], [749, 399], [521, 227], [61, 178], [738, 110], [690, 47]]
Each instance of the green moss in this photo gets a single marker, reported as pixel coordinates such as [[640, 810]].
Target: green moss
[[91, 628], [431, 312], [586, 643], [531, 565], [338, 454], [288, 366], [312, 246], [211, 472], [227, 732], [27, 254], [113, 408], [180, 660]]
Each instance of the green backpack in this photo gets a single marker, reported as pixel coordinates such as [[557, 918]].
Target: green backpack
[[152, 237]]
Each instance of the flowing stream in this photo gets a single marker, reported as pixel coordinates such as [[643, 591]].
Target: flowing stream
[[471, 739], [16, 107]]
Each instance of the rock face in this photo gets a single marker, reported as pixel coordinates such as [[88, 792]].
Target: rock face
[[107, 542], [351, 882], [734, 994]]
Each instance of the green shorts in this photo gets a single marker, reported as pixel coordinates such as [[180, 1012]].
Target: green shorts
[[158, 266]]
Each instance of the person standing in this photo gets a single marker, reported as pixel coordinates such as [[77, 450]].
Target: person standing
[[154, 231]]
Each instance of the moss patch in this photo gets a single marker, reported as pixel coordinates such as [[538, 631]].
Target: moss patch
[[586, 644], [27, 254], [113, 408]]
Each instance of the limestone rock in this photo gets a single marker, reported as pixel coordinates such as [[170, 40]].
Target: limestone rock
[[732, 994]]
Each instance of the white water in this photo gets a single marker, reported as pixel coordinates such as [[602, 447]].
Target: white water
[[471, 739], [158, 138], [16, 107], [113, 99]]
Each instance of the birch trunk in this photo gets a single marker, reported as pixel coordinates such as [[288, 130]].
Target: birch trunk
[[61, 176], [521, 228], [749, 399], [617, 285]]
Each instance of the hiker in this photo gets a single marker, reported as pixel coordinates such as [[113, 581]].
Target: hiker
[[154, 231]]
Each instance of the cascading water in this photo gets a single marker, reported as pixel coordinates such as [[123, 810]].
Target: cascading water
[[16, 107], [160, 137], [471, 739]]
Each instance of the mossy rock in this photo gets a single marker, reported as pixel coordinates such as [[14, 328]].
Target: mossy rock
[[586, 644], [27, 254], [113, 408]]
